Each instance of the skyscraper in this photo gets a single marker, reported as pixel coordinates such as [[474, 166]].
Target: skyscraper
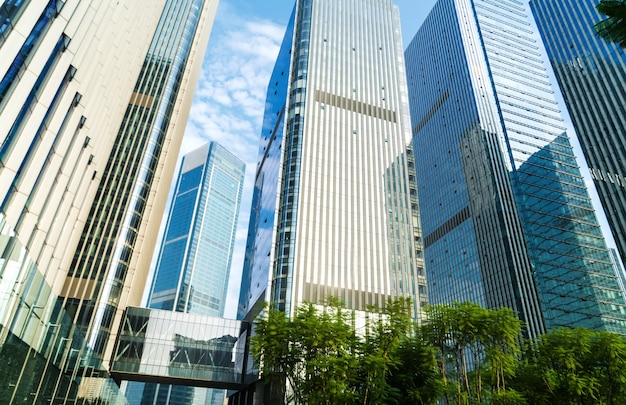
[[93, 98], [506, 216], [118, 236], [592, 77], [331, 210], [193, 265]]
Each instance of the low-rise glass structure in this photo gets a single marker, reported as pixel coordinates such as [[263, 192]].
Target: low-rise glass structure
[[178, 348]]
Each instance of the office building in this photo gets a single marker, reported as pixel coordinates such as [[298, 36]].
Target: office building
[[93, 100], [331, 210], [592, 76], [506, 216], [193, 265]]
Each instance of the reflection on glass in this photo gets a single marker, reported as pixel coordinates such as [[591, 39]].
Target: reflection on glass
[[43, 355]]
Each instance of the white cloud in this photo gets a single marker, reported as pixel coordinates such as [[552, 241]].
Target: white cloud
[[229, 104]]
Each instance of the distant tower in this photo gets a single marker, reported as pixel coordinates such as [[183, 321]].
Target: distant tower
[[94, 96], [331, 211], [592, 77], [506, 216], [193, 265]]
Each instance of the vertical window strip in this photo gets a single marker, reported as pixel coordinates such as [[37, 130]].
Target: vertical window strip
[[52, 149], [32, 42], [30, 100], [69, 75], [60, 181], [282, 283], [10, 12]]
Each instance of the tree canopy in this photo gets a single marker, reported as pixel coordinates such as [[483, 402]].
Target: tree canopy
[[613, 28], [462, 354]]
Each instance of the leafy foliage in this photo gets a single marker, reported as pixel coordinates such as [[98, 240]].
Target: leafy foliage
[[313, 352], [384, 331], [577, 366], [415, 378], [323, 360], [613, 28], [477, 351], [462, 354]]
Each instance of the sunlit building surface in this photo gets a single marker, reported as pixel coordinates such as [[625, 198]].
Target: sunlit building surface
[[193, 265], [332, 206], [93, 100], [331, 213], [118, 236], [592, 77], [43, 356], [506, 216]]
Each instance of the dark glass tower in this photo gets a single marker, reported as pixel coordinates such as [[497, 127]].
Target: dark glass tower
[[507, 219], [592, 77]]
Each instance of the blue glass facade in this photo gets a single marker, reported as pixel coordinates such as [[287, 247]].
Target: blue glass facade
[[592, 76], [506, 217], [10, 12], [256, 265], [193, 266]]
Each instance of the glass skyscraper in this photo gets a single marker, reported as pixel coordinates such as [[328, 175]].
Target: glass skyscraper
[[331, 211], [193, 266], [93, 95], [592, 77], [506, 216]]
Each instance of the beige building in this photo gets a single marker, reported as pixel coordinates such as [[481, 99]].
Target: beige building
[[332, 213], [94, 96]]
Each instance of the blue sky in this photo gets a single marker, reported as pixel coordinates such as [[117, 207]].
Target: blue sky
[[229, 100]]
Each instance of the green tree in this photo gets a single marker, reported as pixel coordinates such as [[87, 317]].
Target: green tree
[[574, 366], [613, 28], [325, 342], [501, 341], [385, 330], [415, 378], [272, 350], [314, 354], [477, 351], [322, 359]]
